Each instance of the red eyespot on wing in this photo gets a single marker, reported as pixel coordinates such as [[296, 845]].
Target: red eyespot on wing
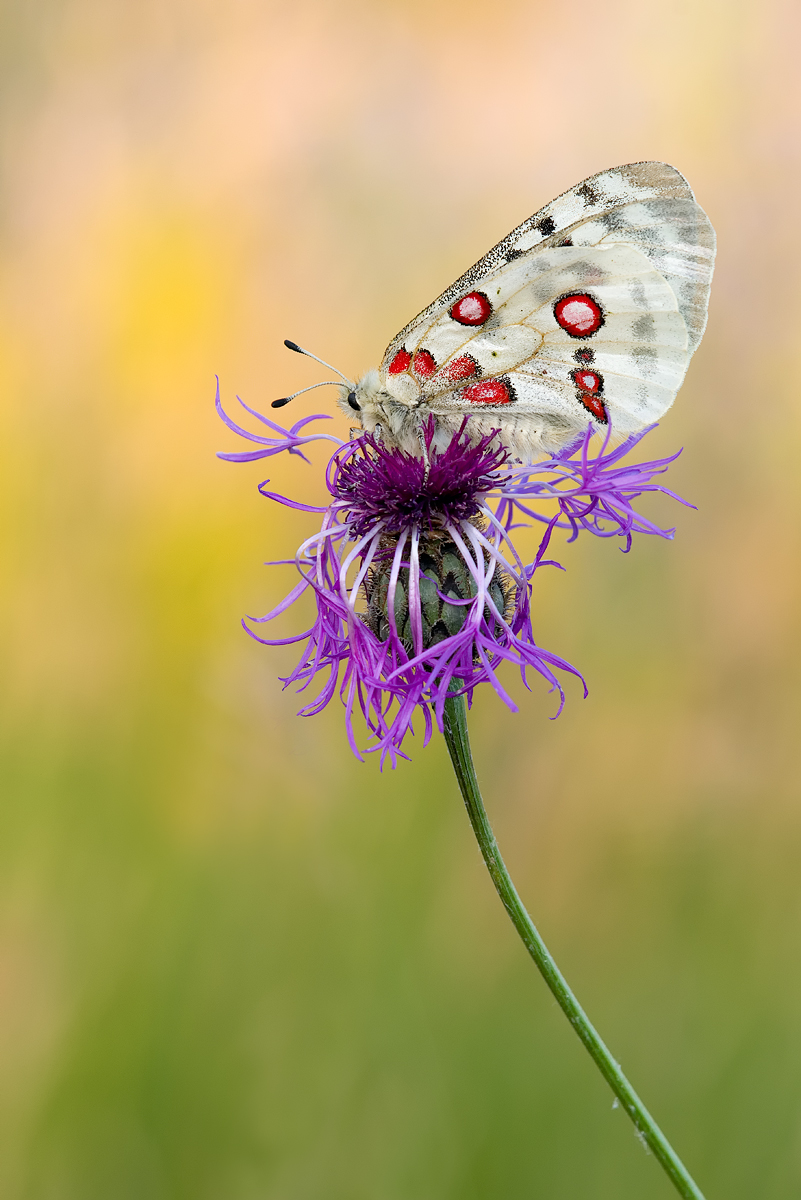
[[400, 362], [463, 367], [595, 405], [590, 385], [578, 314], [424, 364], [588, 381], [490, 391], [472, 309]]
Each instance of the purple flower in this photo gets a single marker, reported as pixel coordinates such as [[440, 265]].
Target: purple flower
[[419, 588]]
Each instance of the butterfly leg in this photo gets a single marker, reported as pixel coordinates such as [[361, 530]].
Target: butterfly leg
[[424, 452]]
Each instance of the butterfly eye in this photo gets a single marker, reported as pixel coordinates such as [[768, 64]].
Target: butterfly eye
[[353, 402]]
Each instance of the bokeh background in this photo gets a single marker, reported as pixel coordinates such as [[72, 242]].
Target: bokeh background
[[235, 963]]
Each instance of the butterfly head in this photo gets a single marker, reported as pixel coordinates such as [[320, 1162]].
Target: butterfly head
[[362, 401], [379, 413]]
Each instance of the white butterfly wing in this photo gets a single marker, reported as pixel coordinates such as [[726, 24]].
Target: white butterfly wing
[[592, 306]]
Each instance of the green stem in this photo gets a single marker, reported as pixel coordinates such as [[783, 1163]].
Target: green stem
[[455, 728]]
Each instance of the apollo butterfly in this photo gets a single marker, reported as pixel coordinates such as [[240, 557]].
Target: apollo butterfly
[[587, 312]]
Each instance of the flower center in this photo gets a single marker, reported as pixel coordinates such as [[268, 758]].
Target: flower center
[[377, 483]]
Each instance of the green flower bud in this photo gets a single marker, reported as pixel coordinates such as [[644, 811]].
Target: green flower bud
[[443, 572]]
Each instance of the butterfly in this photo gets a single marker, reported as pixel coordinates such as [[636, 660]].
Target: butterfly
[[588, 312]]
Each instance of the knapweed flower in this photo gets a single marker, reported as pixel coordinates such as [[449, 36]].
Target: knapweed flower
[[420, 592]]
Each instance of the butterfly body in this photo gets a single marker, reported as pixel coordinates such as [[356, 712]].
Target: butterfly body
[[587, 312]]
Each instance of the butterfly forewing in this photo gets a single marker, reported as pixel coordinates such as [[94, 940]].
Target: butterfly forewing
[[591, 307], [600, 196]]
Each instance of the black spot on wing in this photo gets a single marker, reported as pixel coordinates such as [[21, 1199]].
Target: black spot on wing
[[546, 226], [589, 194]]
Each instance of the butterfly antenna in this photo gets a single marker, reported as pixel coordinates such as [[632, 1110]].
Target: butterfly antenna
[[299, 350], [285, 399]]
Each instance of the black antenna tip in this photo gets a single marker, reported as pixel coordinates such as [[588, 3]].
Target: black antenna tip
[[293, 346], [280, 403]]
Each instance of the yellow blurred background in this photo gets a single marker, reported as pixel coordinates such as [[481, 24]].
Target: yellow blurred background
[[236, 964]]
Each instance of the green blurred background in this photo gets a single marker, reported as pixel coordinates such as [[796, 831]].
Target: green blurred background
[[236, 964]]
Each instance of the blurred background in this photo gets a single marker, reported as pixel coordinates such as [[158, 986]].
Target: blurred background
[[235, 963]]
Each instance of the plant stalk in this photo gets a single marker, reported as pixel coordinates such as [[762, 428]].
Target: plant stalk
[[458, 742]]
